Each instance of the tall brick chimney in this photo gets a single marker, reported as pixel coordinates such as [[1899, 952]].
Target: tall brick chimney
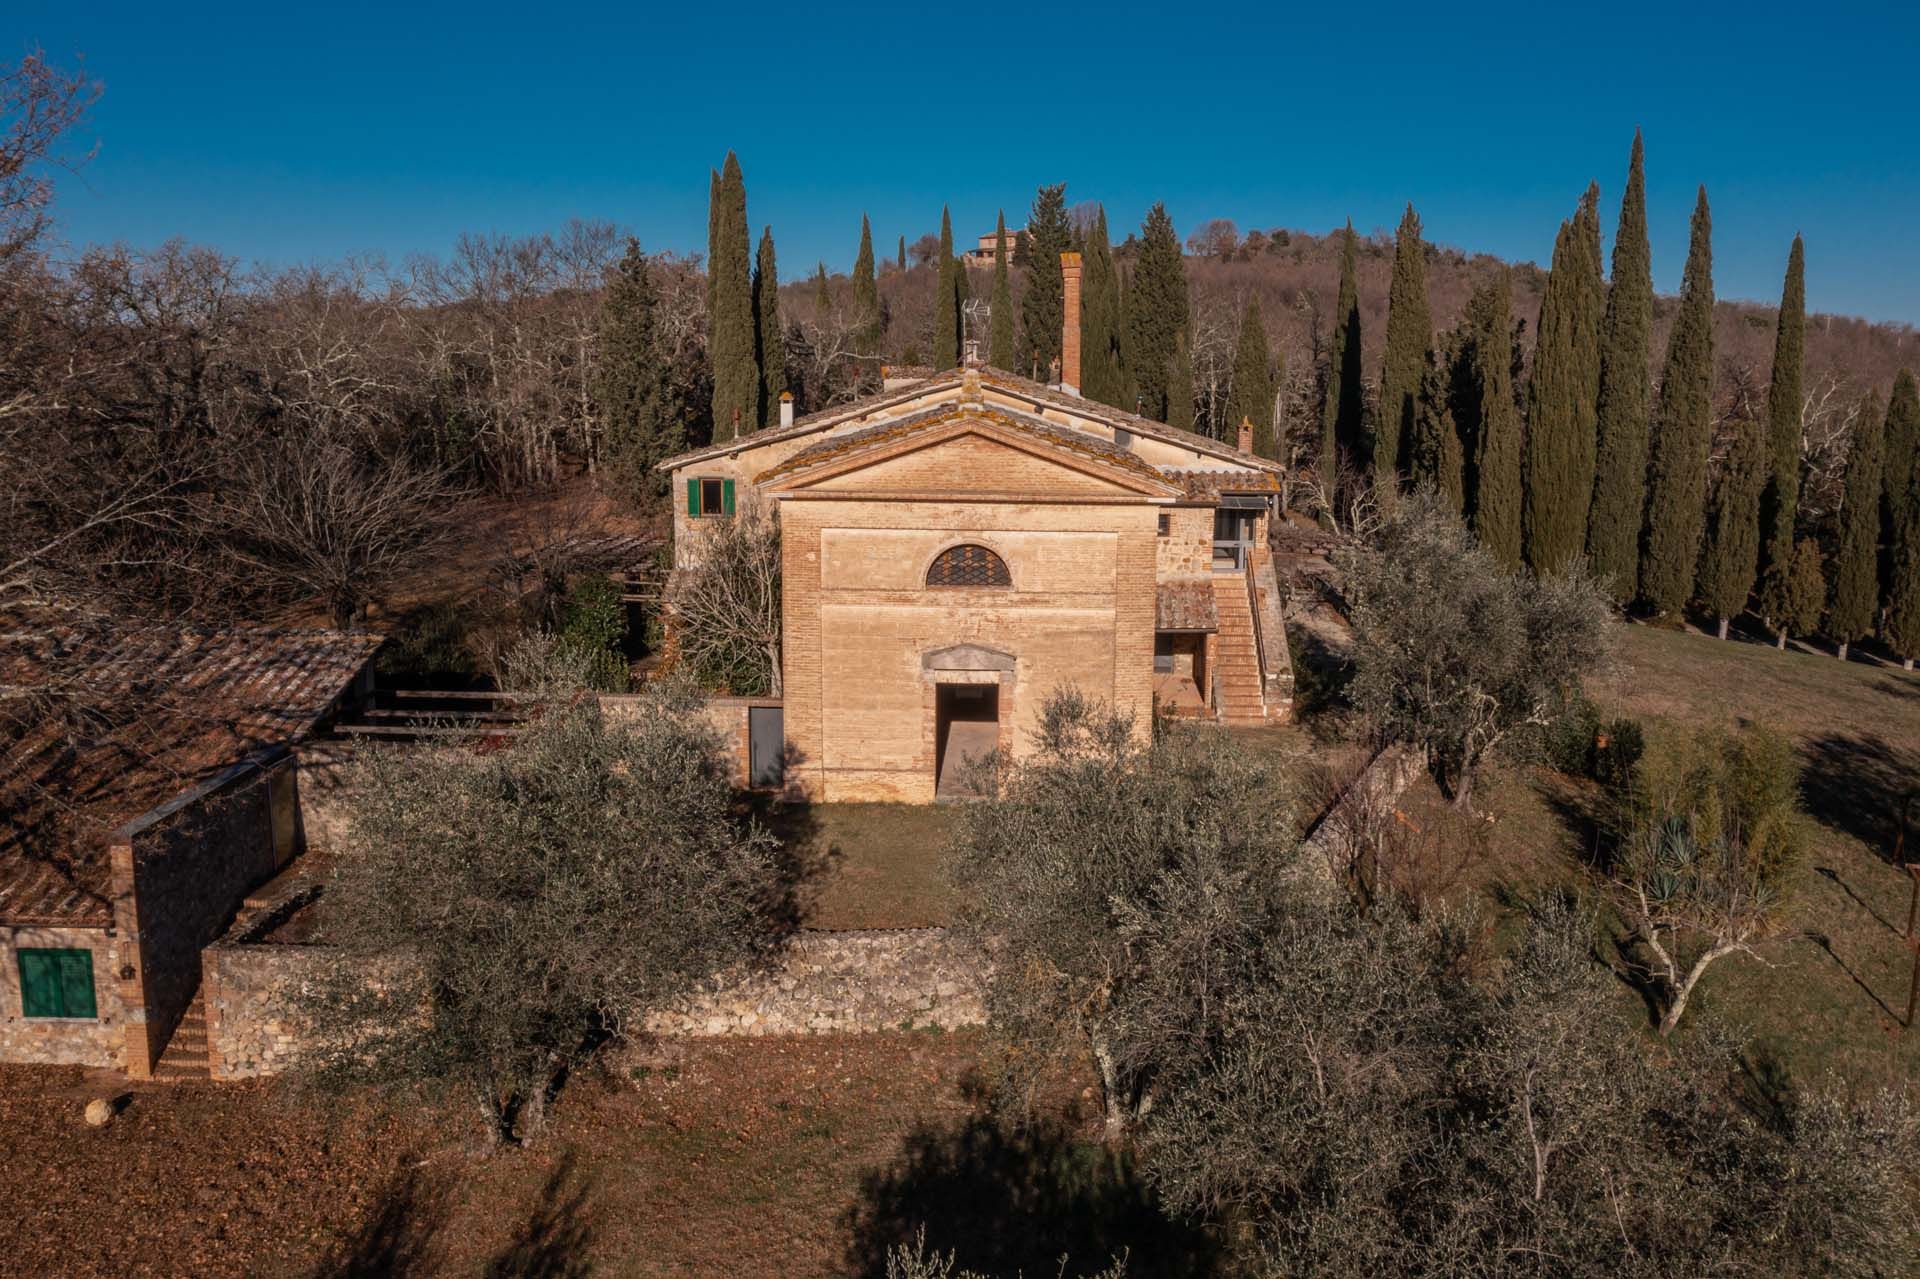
[[1070, 322], [1246, 435]]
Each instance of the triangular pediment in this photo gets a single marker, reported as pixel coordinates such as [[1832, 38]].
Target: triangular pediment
[[969, 452]]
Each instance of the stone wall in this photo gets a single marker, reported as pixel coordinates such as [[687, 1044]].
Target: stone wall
[[825, 983], [843, 983], [63, 1041], [179, 874], [1187, 549]]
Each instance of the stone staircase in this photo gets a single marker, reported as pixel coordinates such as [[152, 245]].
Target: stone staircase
[[185, 1059], [1237, 667]]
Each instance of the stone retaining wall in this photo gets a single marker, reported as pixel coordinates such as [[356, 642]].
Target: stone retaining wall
[[824, 983], [843, 983]]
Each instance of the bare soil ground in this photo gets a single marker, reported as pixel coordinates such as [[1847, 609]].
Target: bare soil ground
[[794, 1158]]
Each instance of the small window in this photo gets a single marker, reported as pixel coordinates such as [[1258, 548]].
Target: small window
[[56, 983], [1123, 439], [968, 566], [1166, 526], [709, 495], [1163, 651]]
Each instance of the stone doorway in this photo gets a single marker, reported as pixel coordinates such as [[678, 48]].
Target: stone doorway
[[966, 730]]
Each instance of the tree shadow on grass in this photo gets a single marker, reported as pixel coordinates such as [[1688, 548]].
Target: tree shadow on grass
[[1019, 1202], [403, 1235], [1856, 783], [800, 862]]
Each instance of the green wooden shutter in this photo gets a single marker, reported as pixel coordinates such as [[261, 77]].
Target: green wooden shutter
[[726, 496], [693, 497], [76, 983], [57, 983], [39, 984]]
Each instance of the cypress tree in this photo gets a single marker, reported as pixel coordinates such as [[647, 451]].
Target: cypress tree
[[1682, 433], [946, 318], [1342, 414], [1903, 454], [1558, 473], [1496, 468], [1438, 461], [769, 338], [1902, 631], [1779, 506], [1100, 372], [901, 261], [630, 383], [1000, 341], [1409, 348], [1618, 510], [1856, 568], [822, 291], [1250, 396], [1793, 592], [866, 296], [736, 374], [1158, 312], [1731, 560], [1179, 386], [1043, 297]]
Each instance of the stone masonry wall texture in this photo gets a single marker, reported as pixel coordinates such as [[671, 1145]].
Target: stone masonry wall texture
[[824, 983]]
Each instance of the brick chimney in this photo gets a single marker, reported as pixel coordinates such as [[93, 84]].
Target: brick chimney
[[1246, 435], [1070, 322], [786, 408]]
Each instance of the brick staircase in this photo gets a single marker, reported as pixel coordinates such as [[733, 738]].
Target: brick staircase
[[185, 1059], [1238, 666]]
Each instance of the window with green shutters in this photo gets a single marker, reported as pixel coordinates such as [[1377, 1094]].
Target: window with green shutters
[[709, 496], [56, 983]]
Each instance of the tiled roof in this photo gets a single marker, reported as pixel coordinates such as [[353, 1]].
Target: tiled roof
[[1203, 485], [1186, 606], [1080, 442], [1009, 383], [96, 731]]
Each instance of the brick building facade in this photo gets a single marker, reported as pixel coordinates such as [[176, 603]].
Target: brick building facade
[[959, 546]]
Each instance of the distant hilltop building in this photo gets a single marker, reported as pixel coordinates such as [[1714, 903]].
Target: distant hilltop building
[[982, 254]]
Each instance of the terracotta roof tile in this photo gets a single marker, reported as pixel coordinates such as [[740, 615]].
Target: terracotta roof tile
[[894, 428], [1202, 485], [94, 732], [1186, 606]]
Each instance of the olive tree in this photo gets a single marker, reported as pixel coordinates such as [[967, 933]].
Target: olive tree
[[1711, 843], [1112, 880], [499, 917], [1454, 654], [1361, 1106]]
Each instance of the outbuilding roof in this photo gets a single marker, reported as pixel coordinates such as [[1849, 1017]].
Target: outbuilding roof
[[96, 730]]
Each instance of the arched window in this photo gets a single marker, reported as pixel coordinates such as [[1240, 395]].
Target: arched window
[[968, 566]]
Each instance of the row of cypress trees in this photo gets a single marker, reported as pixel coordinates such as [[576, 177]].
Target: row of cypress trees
[[1600, 471], [745, 342]]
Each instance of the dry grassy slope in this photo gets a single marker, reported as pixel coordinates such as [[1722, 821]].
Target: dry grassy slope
[[1832, 994]]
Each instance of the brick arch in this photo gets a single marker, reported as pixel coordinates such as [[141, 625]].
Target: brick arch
[[968, 562]]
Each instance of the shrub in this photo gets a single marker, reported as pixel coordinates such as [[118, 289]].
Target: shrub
[[431, 646]]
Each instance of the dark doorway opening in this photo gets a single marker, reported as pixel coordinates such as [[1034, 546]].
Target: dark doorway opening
[[766, 745], [966, 729]]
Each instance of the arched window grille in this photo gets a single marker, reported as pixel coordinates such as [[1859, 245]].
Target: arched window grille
[[968, 566]]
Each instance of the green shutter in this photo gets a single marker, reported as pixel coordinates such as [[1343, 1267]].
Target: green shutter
[[726, 496], [39, 984], [76, 983], [57, 983], [693, 497]]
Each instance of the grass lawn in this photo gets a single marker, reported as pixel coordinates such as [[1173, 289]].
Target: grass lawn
[[1832, 989], [758, 1157], [870, 865]]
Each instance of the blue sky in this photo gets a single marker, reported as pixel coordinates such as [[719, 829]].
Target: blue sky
[[289, 135]]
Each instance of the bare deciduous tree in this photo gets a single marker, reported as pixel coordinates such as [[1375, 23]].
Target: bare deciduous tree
[[725, 601], [40, 106], [311, 514]]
